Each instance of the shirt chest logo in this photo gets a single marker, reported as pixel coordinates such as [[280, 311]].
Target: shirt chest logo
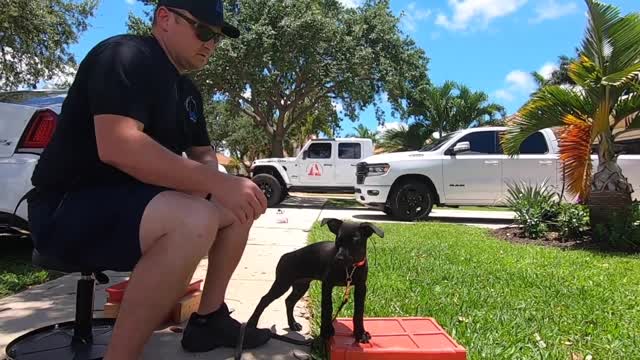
[[190, 106]]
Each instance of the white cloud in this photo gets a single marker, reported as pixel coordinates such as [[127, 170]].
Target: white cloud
[[547, 69], [412, 16], [477, 13], [551, 9], [504, 95], [130, 2], [518, 83], [351, 3]]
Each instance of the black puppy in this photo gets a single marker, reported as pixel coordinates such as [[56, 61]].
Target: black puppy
[[330, 262]]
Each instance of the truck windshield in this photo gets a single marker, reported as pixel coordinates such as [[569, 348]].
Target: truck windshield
[[438, 144]]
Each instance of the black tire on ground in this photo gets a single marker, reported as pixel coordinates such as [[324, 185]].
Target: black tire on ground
[[271, 188], [411, 200]]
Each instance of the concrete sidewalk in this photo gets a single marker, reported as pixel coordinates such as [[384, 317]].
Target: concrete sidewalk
[[269, 239]]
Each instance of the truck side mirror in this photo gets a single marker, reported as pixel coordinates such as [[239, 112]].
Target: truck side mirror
[[305, 154], [462, 147]]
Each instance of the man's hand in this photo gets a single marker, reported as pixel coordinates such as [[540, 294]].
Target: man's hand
[[241, 196]]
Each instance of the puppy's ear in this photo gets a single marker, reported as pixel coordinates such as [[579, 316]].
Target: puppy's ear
[[370, 229], [334, 224]]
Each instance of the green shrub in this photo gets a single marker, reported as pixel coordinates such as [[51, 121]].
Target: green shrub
[[573, 221], [622, 233], [535, 206]]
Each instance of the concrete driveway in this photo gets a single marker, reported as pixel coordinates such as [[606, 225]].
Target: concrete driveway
[[279, 231]]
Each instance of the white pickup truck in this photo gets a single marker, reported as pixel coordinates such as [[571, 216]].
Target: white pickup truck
[[323, 165], [466, 167]]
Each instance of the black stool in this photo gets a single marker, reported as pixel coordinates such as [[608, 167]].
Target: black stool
[[85, 338]]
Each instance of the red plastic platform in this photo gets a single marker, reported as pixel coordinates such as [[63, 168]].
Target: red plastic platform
[[409, 338]]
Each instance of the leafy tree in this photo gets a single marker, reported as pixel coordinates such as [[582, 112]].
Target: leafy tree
[[451, 107], [236, 133], [34, 35], [293, 56], [605, 104], [559, 76]]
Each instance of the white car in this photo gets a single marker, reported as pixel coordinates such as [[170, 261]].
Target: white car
[[27, 122], [467, 167]]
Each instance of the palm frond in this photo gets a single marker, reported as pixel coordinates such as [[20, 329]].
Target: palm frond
[[626, 47], [597, 44], [622, 77], [547, 108], [575, 155], [626, 107]]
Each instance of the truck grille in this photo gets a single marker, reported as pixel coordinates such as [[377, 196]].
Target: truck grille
[[361, 173]]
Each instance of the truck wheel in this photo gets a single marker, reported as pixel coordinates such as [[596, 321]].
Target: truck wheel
[[387, 211], [271, 188], [410, 201]]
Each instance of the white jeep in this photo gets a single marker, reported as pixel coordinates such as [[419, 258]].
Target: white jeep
[[323, 165]]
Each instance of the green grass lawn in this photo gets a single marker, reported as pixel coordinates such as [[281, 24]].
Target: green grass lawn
[[16, 271], [500, 300]]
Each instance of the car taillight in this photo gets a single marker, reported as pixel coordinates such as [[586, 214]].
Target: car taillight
[[40, 130]]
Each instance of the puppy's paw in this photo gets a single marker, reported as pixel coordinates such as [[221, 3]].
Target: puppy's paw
[[295, 326], [327, 331], [362, 337]]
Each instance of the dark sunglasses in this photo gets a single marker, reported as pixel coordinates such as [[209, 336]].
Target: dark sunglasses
[[203, 32]]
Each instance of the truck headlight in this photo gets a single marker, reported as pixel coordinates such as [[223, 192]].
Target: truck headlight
[[377, 169]]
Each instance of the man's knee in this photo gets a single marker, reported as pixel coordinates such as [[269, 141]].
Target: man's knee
[[193, 220]]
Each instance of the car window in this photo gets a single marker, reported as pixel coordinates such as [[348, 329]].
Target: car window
[[483, 142], [319, 151], [534, 144], [349, 151]]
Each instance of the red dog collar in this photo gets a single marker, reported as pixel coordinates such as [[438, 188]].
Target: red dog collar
[[361, 263]]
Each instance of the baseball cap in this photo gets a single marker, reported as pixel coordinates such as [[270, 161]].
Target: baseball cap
[[210, 12]]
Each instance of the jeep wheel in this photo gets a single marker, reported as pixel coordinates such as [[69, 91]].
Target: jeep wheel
[[271, 188], [410, 201]]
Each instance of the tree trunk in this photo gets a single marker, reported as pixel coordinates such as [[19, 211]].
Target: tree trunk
[[610, 199], [277, 144]]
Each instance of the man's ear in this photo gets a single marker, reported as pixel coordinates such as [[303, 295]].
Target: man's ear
[[334, 224], [370, 229]]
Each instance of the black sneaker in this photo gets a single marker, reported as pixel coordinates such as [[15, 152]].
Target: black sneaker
[[206, 332]]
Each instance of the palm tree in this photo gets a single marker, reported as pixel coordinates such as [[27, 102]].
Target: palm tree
[[472, 108], [434, 105], [452, 106], [410, 138], [606, 97], [364, 132]]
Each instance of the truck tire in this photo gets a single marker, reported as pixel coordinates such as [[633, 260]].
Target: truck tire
[[411, 200], [271, 188]]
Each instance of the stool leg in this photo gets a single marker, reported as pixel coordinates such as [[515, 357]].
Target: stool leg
[[82, 331]]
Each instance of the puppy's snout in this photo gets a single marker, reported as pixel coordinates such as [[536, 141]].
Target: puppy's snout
[[343, 257]]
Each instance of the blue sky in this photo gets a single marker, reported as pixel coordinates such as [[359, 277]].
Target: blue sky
[[488, 45]]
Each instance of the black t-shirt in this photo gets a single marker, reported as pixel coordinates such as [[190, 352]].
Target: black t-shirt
[[124, 75]]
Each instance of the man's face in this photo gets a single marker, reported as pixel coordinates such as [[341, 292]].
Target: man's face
[[190, 52]]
